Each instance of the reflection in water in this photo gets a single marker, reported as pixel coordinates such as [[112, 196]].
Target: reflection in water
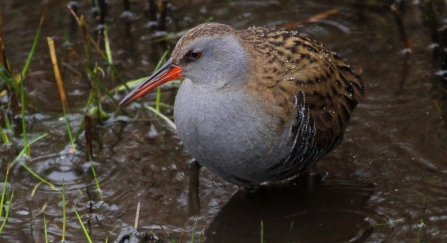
[[321, 212]]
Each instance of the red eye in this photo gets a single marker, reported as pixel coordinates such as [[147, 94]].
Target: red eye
[[195, 54]]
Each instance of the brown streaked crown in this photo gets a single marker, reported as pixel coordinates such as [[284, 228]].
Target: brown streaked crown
[[203, 30]]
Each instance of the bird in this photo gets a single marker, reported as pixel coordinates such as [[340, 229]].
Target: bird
[[257, 105]]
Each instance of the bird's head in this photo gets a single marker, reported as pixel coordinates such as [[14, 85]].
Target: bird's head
[[210, 55]]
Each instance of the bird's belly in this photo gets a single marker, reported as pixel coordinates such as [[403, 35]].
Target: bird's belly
[[230, 136]]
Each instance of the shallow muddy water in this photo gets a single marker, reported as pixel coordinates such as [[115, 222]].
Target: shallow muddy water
[[387, 181]]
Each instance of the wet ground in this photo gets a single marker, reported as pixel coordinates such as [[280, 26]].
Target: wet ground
[[386, 182]]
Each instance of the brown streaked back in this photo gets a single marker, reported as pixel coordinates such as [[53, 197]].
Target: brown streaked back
[[287, 64]]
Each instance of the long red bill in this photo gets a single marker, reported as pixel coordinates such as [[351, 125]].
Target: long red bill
[[166, 73]]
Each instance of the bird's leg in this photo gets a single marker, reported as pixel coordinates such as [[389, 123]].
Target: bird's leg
[[193, 193], [312, 177]]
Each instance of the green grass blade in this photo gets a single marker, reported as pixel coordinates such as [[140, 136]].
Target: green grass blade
[[130, 84], [421, 226], [193, 231], [169, 121], [4, 135], [13, 84], [158, 99], [134, 83], [24, 149], [103, 88], [36, 39], [22, 100], [38, 177], [6, 77], [45, 228], [82, 224], [160, 62], [98, 188], [67, 124], [64, 211], [8, 210], [2, 200], [27, 168], [290, 232], [8, 123], [107, 45]]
